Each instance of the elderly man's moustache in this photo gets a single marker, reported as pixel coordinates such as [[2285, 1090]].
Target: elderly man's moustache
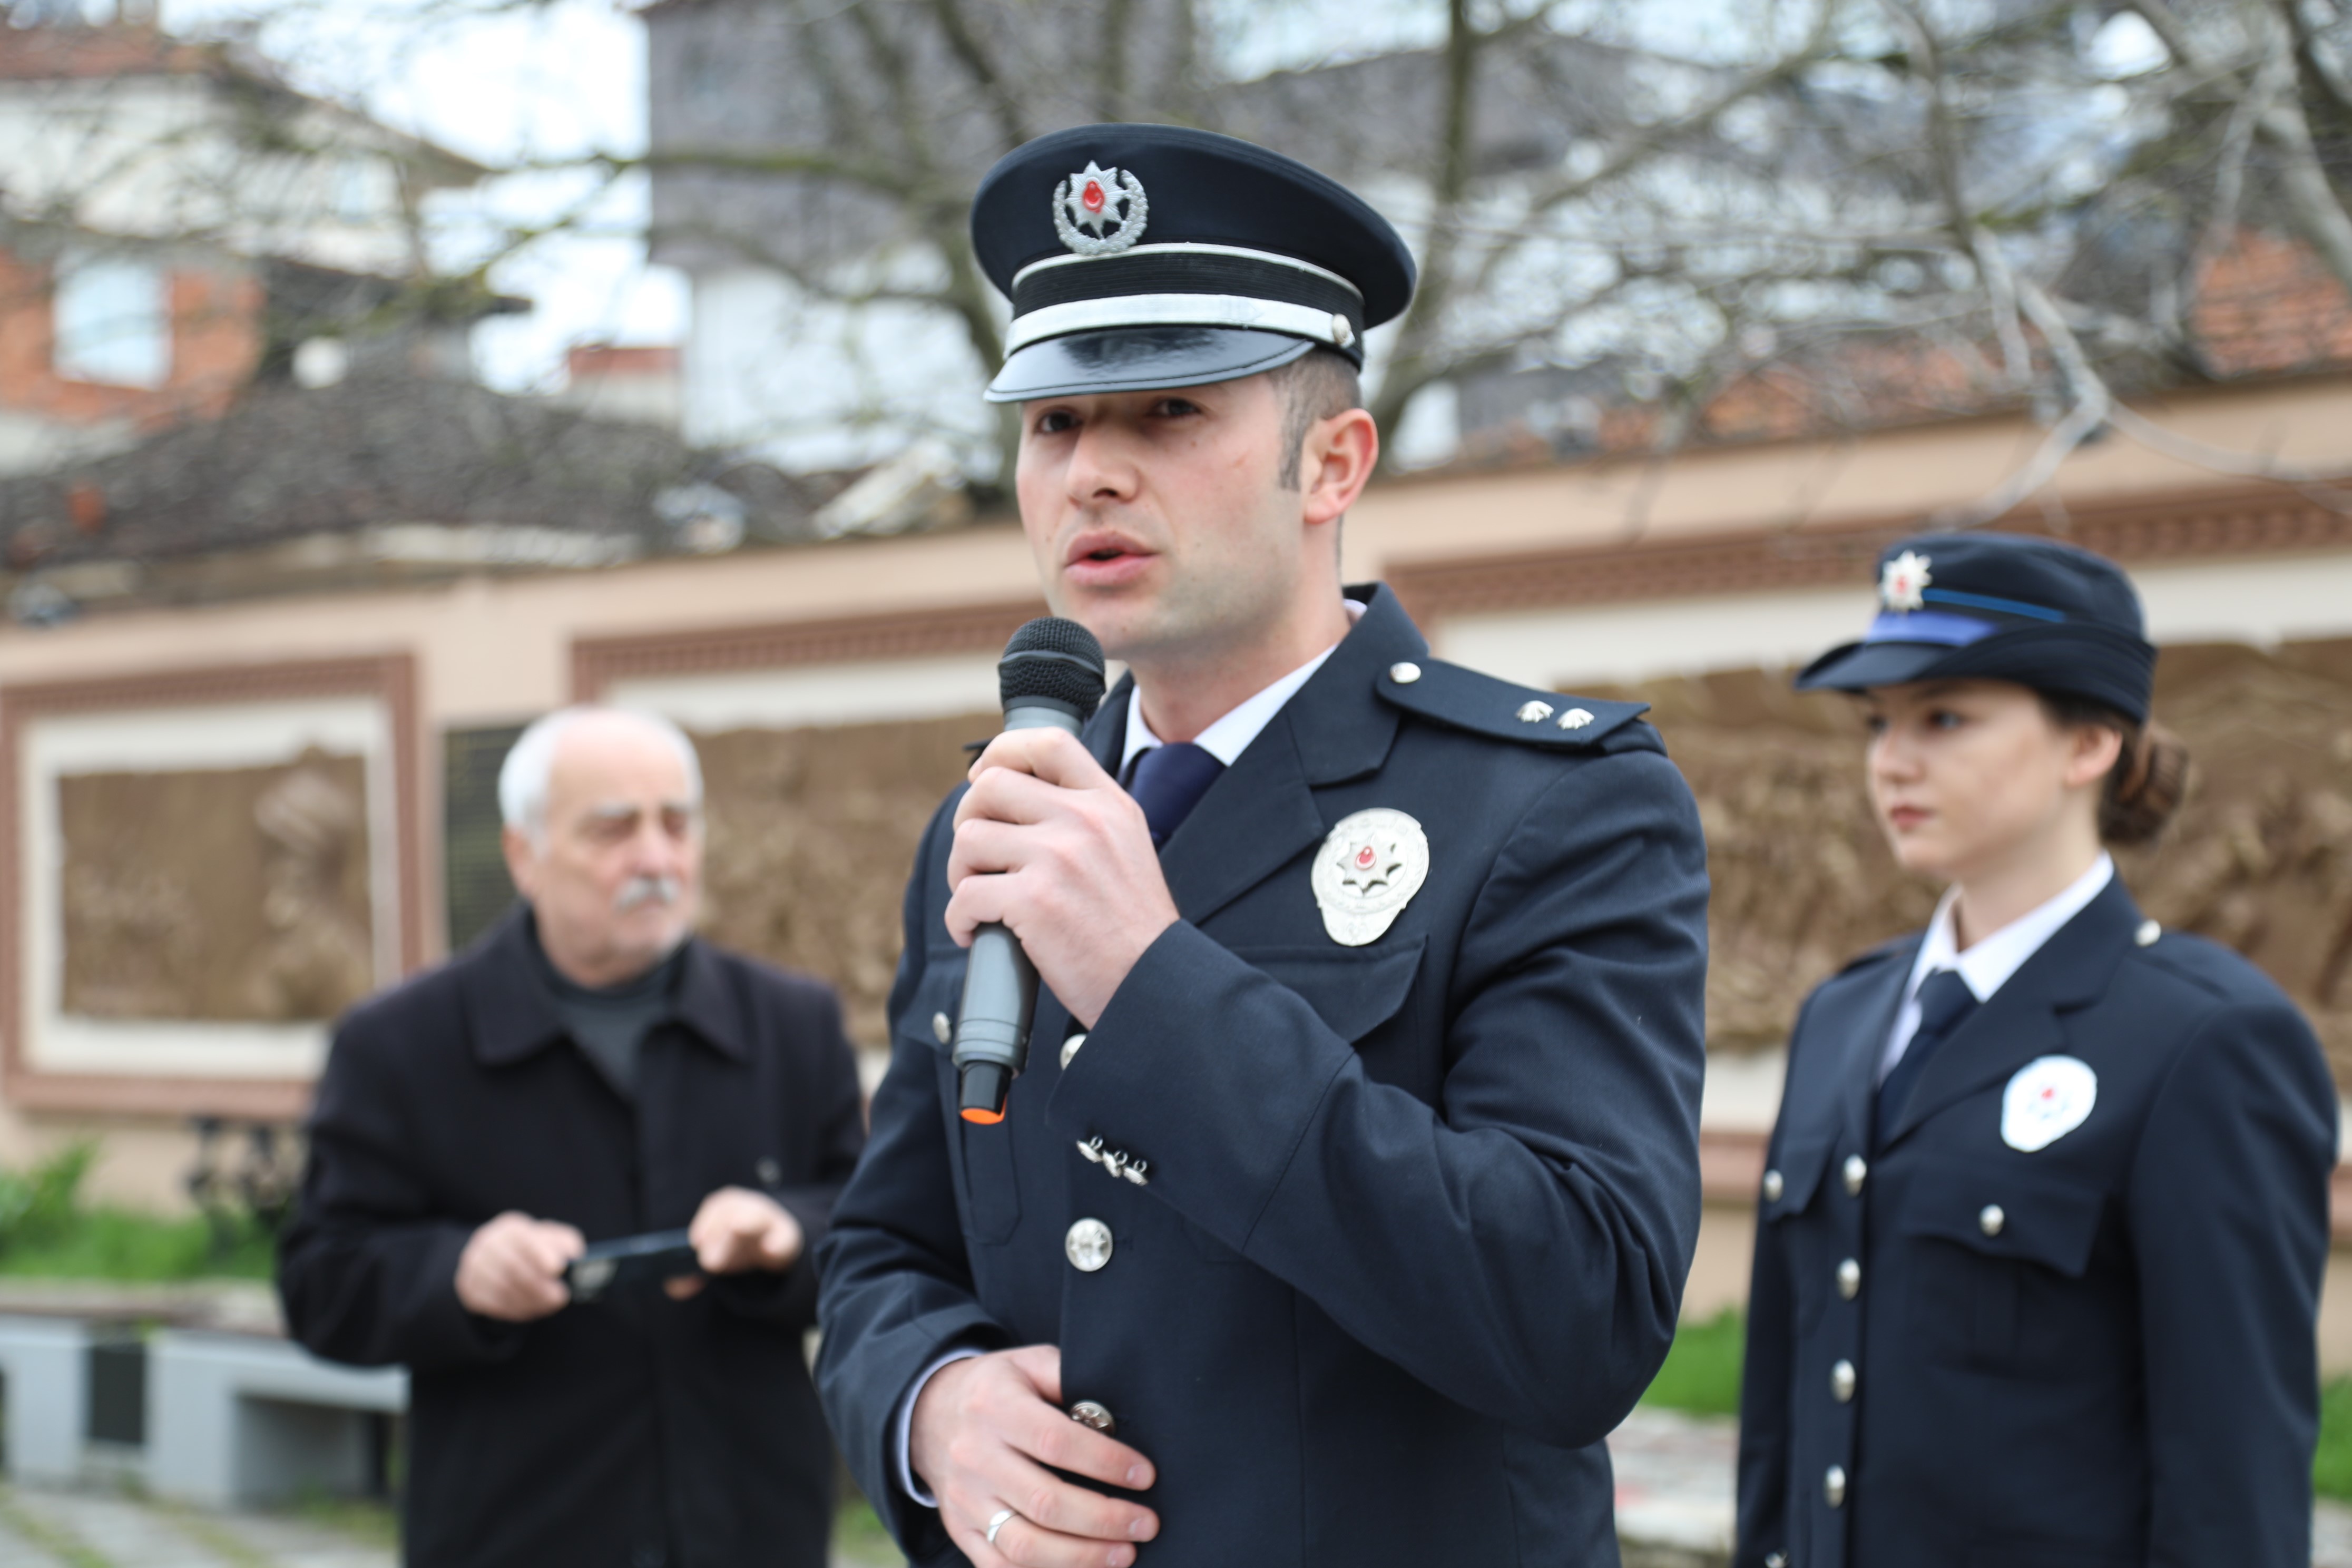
[[646, 890]]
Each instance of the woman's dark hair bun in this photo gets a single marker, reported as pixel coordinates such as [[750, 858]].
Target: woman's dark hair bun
[[2151, 778]]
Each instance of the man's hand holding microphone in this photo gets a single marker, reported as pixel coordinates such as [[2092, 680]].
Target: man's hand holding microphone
[[1055, 877]]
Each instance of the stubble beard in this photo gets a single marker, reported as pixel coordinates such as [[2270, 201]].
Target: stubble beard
[[1198, 618]]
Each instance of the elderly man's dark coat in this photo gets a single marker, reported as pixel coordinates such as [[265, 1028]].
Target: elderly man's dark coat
[[630, 1432], [1413, 1216]]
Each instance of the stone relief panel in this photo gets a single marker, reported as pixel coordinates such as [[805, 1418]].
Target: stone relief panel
[[2259, 857], [811, 832], [217, 894], [811, 835]]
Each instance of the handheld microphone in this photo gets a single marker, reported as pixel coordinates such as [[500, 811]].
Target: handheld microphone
[[1051, 676]]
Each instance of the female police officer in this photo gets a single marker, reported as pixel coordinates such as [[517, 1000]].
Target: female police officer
[[2045, 1214]]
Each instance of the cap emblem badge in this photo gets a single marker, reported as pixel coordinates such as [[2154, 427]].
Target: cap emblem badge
[[1368, 869], [1099, 211], [1900, 584]]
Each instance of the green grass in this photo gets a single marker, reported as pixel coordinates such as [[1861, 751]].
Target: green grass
[[858, 1539], [47, 1232], [2331, 1469], [122, 1245], [1702, 1371], [367, 1520]]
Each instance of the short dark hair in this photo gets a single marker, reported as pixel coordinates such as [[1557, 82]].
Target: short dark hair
[[1319, 385]]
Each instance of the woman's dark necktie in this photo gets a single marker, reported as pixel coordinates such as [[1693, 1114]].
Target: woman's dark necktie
[[1168, 782], [1944, 1003]]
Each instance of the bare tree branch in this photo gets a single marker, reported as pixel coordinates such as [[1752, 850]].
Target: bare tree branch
[[976, 59], [2092, 405]]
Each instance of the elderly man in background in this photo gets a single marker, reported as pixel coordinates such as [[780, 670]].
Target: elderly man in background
[[589, 1070]]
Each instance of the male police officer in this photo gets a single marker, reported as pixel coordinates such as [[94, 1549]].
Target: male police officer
[[1346, 1203]]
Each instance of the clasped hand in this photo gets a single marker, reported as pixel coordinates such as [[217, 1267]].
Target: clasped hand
[[987, 1436], [513, 1268], [1048, 845]]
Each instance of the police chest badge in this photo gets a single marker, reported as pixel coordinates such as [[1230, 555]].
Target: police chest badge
[[2049, 1097], [1368, 869]]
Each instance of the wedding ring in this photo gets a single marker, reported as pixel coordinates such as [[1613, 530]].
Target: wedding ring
[[1004, 1516]]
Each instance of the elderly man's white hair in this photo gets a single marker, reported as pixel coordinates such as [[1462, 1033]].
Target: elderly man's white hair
[[523, 776]]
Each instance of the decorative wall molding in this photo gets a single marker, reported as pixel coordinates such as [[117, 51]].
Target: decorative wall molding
[[2223, 522], [390, 678], [599, 663]]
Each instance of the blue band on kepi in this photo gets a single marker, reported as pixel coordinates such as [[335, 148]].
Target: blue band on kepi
[[1986, 602], [1927, 625]]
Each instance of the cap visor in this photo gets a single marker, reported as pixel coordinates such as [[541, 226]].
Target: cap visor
[[1139, 359], [1859, 666]]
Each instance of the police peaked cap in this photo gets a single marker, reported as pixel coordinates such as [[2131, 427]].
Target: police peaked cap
[[1142, 256], [1999, 606]]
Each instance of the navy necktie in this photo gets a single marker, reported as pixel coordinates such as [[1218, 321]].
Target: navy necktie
[[1168, 782], [1944, 1003]]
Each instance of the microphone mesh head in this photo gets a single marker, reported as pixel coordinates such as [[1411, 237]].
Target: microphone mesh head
[[1052, 660]]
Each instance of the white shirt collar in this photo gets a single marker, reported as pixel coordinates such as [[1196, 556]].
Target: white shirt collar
[[1986, 965], [1230, 736]]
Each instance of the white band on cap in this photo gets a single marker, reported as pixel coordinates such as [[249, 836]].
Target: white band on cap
[[1178, 311], [1194, 247]]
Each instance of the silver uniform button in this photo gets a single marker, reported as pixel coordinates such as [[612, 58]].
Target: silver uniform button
[[1774, 1185], [1404, 673], [1834, 1486], [1343, 331], [1857, 1170], [1086, 1413], [1849, 1279], [1776, 1559], [770, 1174], [1070, 1048], [941, 1028], [1841, 1383], [1087, 1246], [2147, 933], [1989, 1219], [1534, 712]]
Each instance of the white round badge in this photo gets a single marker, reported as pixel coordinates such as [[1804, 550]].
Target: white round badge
[[1368, 869], [2047, 1097]]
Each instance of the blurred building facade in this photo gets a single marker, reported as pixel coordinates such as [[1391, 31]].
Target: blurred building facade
[[176, 222], [361, 676]]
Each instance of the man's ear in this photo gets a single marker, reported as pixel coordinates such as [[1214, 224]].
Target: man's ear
[[522, 861], [1335, 462]]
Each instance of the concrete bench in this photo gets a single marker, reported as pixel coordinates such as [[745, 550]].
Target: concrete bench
[[45, 1365], [234, 1420]]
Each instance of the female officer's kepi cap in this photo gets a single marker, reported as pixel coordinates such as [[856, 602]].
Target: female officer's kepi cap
[[1142, 257], [1999, 606]]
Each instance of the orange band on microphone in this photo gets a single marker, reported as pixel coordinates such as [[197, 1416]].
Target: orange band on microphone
[[985, 1118]]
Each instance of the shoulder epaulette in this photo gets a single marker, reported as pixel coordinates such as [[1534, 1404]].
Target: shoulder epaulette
[[1466, 699]]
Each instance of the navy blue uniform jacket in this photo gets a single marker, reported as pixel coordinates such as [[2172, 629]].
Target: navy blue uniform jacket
[[2120, 1367], [1419, 1212]]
